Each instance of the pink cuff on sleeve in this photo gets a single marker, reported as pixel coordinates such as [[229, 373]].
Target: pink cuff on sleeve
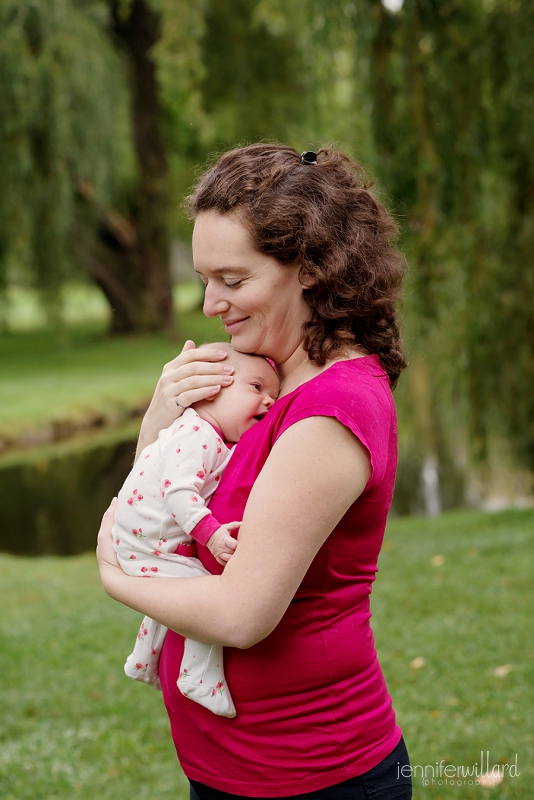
[[205, 529]]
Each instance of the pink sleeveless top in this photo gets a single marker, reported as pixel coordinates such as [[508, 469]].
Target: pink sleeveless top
[[312, 705]]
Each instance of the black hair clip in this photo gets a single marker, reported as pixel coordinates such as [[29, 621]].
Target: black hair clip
[[308, 157]]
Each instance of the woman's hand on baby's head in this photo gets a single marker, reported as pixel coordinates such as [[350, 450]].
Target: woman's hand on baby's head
[[196, 374], [221, 544], [192, 376]]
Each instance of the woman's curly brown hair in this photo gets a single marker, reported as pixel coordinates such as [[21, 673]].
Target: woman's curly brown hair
[[326, 215]]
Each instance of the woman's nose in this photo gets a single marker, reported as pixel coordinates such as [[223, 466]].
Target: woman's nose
[[214, 304]]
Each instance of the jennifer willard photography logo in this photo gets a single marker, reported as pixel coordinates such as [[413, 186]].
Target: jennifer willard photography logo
[[441, 774]]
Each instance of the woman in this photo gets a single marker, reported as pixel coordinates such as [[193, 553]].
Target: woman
[[298, 261]]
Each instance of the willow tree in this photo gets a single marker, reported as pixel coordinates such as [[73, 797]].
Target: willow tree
[[452, 97], [129, 258], [83, 163], [150, 85], [507, 379], [63, 101]]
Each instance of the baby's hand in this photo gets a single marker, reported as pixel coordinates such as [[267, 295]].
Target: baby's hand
[[221, 545]]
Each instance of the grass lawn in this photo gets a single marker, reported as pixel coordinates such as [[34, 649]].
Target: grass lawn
[[456, 592], [91, 376], [453, 610]]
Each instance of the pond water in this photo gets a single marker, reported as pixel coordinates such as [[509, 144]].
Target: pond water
[[52, 497]]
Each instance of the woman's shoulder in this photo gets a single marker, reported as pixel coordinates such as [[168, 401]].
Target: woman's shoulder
[[346, 382], [357, 393]]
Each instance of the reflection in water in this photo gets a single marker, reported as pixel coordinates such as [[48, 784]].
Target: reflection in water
[[52, 499], [430, 482]]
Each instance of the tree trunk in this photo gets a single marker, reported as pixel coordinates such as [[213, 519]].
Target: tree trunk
[[106, 244], [133, 270]]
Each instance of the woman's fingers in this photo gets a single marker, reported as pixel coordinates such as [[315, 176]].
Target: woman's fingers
[[196, 371], [105, 552], [109, 515], [111, 573], [186, 399], [188, 383], [191, 381], [183, 384], [192, 353]]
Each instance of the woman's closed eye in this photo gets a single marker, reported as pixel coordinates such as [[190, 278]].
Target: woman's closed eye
[[230, 283]]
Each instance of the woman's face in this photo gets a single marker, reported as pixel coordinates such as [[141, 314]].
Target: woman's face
[[259, 301]]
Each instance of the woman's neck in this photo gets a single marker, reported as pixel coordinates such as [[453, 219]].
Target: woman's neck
[[298, 368]]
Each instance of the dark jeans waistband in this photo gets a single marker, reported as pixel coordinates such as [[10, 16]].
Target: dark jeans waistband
[[383, 782]]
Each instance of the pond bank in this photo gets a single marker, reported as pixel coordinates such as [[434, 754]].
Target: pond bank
[[52, 389], [68, 428]]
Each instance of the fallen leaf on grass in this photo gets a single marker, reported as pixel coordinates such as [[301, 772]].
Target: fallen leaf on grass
[[490, 779], [417, 663], [503, 670]]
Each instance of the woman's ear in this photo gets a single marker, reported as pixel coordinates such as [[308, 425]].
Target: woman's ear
[[306, 279]]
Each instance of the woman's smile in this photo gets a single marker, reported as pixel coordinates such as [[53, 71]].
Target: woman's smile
[[232, 326]]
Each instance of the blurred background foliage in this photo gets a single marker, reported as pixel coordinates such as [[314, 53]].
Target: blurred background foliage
[[108, 108]]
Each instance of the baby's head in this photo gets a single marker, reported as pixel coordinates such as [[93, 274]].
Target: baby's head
[[238, 407]]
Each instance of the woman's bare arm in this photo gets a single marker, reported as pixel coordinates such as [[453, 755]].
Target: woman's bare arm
[[300, 495]]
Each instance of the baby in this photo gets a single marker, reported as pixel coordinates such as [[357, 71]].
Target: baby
[[162, 512]]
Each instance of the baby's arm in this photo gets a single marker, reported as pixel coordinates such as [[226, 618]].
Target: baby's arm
[[193, 458], [222, 544]]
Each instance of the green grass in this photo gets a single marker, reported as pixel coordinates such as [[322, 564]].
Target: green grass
[[90, 377], [22, 309], [466, 617], [73, 726]]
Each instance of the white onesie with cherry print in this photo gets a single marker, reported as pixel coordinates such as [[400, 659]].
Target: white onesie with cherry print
[[161, 505]]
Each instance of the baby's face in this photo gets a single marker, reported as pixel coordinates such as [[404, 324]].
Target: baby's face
[[255, 388]]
